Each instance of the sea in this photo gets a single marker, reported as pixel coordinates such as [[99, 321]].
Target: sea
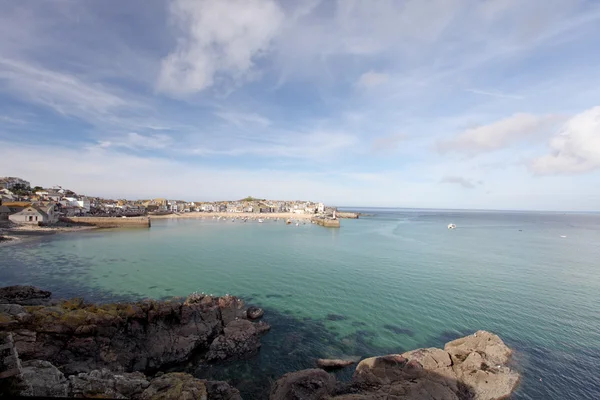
[[392, 281]]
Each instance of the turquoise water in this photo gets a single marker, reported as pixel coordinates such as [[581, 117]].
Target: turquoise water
[[389, 282]]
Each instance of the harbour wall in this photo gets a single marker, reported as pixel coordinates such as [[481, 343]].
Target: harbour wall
[[110, 222], [347, 215], [327, 223]]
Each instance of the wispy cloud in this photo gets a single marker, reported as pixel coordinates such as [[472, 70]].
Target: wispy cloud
[[371, 79], [135, 141], [495, 94], [459, 180], [498, 134], [242, 119], [388, 143]]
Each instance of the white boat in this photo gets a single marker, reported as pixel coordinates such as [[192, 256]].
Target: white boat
[[451, 226], [260, 221], [297, 224]]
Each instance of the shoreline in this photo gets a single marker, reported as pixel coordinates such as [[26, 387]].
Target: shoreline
[[13, 233], [254, 216]]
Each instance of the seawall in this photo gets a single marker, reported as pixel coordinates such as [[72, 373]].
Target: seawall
[[110, 222], [327, 223], [347, 215]]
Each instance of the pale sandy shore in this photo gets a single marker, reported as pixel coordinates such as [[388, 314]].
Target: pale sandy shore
[[269, 216], [12, 233]]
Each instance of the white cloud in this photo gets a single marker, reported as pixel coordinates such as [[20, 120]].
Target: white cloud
[[219, 39], [371, 79], [497, 135], [495, 94], [576, 149]]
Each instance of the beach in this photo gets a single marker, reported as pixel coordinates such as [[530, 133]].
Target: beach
[[11, 232]]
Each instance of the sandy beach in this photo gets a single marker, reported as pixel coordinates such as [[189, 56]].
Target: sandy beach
[[201, 215]]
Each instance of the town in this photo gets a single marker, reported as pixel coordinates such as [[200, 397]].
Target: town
[[21, 203]]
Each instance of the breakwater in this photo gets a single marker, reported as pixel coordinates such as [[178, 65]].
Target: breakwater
[[326, 222], [347, 215], [110, 222]]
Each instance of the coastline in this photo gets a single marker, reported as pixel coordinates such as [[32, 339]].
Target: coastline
[[254, 216], [13, 233]]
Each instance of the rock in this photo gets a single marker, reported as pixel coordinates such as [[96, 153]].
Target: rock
[[333, 363], [174, 386], [218, 390], [44, 379], [254, 312], [309, 384], [104, 383], [24, 295], [240, 339], [148, 335], [464, 370]]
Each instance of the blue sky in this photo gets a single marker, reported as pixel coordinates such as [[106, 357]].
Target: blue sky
[[411, 103]]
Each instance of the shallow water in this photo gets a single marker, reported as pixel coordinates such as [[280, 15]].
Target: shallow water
[[389, 282]]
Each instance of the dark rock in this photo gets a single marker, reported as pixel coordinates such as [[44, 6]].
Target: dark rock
[[104, 383], [175, 386], [24, 295], [218, 390], [240, 339], [144, 336], [309, 384], [44, 379], [254, 312], [335, 317]]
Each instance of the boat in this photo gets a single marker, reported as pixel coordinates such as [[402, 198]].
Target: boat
[[297, 224], [451, 226], [260, 221], [288, 222]]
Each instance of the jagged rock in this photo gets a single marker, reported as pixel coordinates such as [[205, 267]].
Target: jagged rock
[[254, 312], [175, 386], [240, 338], [24, 295], [108, 384], [309, 384], [79, 337], [44, 379], [333, 363], [464, 370], [218, 390]]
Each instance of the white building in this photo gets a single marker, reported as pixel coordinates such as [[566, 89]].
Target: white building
[[321, 208], [8, 182]]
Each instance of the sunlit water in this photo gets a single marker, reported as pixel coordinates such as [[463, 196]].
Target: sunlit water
[[389, 282]]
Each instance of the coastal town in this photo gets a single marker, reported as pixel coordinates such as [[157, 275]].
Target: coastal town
[[25, 205]]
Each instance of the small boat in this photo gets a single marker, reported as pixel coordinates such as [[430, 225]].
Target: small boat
[[563, 236], [297, 224], [260, 221], [288, 222], [451, 226]]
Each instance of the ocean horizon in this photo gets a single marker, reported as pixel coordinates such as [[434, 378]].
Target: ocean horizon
[[394, 280]]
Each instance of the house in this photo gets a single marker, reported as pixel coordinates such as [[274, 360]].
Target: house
[[35, 215], [8, 182], [321, 208], [4, 213]]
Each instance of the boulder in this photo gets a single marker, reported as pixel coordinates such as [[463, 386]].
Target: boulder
[[105, 383], [175, 386], [309, 384], [24, 295], [218, 390], [239, 339], [44, 379], [254, 312], [327, 363]]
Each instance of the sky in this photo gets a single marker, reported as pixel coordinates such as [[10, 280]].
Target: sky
[[490, 104]]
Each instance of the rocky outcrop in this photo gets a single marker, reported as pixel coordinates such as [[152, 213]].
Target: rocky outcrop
[[473, 367], [254, 312], [24, 295], [145, 336], [43, 379], [309, 384], [240, 337]]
